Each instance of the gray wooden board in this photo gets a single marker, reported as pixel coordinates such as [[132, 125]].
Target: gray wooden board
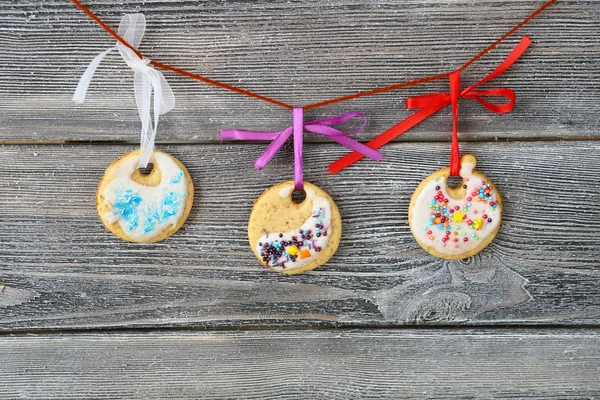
[[60, 268], [563, 364], [299, 52]]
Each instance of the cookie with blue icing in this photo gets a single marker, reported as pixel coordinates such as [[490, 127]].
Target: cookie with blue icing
[[144, 208], [291, 237]]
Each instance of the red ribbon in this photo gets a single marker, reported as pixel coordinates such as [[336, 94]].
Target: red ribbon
[[429, 104]]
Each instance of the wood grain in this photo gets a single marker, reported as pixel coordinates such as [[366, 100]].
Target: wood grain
[[61, 271], [370, 364], [541, 269], [298, 52]]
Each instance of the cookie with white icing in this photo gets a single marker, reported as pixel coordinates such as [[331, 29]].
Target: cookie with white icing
[[294, 238], [144, 208], [455, 223]]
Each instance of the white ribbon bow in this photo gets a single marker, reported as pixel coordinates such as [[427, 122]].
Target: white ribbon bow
[[146, 80]]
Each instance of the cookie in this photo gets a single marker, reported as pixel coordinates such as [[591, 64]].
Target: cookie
[[455, 223], [294, 238], [144, 208]]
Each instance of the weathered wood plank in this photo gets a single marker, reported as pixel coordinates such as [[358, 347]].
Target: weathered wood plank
[[561, 364], [542, 267], [298, 52]]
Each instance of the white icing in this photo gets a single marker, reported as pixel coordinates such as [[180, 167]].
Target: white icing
[[156, 208], [285, 192], [111, 218], [321, 212], [421, 215]]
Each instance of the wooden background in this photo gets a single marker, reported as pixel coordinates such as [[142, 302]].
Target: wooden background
[[85, 315]]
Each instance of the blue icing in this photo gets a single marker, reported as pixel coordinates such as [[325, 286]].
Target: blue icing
[[161, 211], [177, 177], [126, 207], [152, 218], [170, 204]]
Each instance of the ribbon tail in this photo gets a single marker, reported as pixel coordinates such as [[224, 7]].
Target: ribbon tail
[[514, 55], [273, 147], [142, 89], [86, 78], [238, 134], [167, 102], [385, 137], [363, 149]]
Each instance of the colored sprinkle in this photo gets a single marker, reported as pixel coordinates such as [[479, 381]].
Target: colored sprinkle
[[177, 177], [160, 212], [448, 217], [126, 207], [291, 246]]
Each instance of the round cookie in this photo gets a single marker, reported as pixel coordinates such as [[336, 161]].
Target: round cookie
[[294, 238], [455, 223], [144, 208]]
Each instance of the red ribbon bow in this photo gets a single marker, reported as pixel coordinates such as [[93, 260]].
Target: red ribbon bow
[[429, 104]]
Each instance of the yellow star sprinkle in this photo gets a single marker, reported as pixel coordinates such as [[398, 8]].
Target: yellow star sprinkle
[[458, 216], [479, 223]]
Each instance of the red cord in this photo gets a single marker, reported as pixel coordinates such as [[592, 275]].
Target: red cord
[[324, 102]]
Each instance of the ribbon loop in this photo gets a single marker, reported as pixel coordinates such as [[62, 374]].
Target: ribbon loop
[[428, 104], [320, 127], [148, 82], [495, 108], [132, 29]]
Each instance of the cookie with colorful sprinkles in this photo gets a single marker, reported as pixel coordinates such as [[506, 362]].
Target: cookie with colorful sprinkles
[[291, 237], [455, 223], [145, 208]]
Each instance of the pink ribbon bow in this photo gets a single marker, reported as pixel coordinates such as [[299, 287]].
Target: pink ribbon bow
[[321, 127]]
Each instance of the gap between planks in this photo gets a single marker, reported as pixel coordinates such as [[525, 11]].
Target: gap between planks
[[228, 142], [453, 328]]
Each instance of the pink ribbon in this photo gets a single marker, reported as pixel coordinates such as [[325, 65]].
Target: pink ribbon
[[320, 127]]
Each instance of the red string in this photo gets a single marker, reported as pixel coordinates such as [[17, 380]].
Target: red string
[[321, 103], [175, 69]]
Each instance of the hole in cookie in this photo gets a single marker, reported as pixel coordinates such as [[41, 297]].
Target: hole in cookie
[[149, 176], [148, 170], [298, 196], [455, 182]]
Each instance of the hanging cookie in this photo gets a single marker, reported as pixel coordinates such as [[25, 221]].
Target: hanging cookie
[[145, 208], [291, 237], [452, 223], [294, 237], [455, 223], [137, 207]]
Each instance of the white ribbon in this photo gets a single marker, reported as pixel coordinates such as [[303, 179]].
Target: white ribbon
[[147, 80]]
